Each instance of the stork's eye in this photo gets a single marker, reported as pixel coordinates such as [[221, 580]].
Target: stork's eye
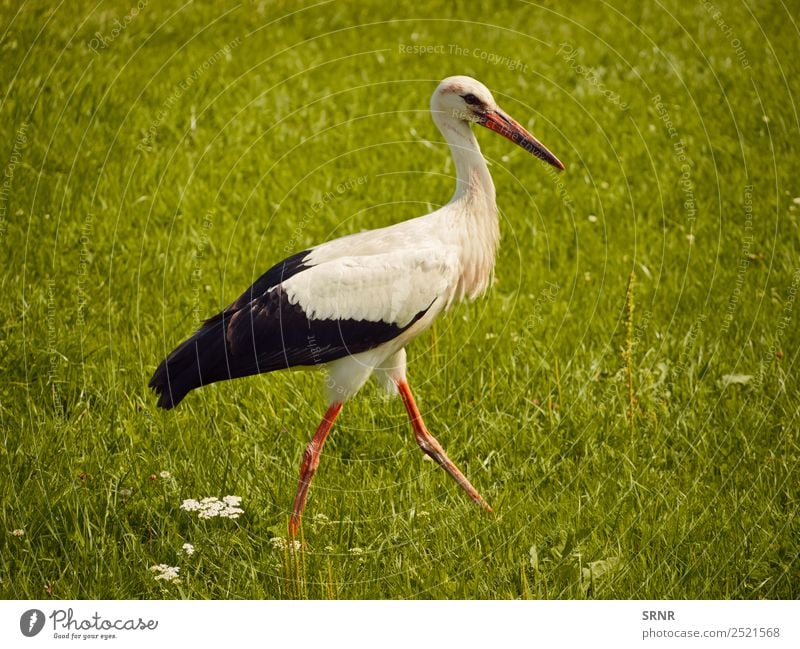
[[472, 100]]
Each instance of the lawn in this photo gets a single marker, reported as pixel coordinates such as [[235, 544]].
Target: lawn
[[625, 395]]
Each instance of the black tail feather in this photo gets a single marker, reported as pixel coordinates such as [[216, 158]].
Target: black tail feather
[[198, 361], [204, 358]]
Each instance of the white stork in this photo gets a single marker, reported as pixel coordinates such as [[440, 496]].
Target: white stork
[[354, 303]]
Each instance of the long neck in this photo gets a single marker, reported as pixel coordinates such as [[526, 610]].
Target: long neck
[[472, 209], [473, 181]]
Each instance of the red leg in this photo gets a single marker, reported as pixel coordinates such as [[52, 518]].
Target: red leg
[[309, 466], [431, 447]]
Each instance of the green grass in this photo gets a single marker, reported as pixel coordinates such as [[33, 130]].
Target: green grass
[[140, 202]]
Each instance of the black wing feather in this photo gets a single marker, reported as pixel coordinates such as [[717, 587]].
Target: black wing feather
[[280, 272], [262, 332]]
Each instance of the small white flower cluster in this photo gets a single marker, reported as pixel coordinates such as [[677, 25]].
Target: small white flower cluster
[[165, 572], [165, 474], [279, 543], [319, 520], [18, 533], [188, 549], [356, 551], [212, 507]]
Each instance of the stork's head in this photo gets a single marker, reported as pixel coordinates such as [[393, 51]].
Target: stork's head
[[464, 99]]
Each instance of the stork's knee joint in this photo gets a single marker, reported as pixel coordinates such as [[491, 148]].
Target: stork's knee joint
[[426, 445], [310, 455]]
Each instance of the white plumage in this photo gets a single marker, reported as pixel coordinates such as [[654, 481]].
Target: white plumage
[[392, 287], [354, 303]]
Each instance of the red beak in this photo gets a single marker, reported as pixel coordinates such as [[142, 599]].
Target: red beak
[[497, 121]]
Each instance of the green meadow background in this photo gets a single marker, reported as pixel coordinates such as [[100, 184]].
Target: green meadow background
[[625, 395]]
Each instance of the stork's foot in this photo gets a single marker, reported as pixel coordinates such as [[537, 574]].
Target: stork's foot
[[309, 465], [433, 449]]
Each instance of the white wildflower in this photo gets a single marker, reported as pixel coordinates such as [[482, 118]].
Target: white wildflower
[[592, 218], [231, 512], [165, 474], [356, 551], [126, 493], [188, 549], [213, 507], [279, 543], [18, 533], [165, 572]]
